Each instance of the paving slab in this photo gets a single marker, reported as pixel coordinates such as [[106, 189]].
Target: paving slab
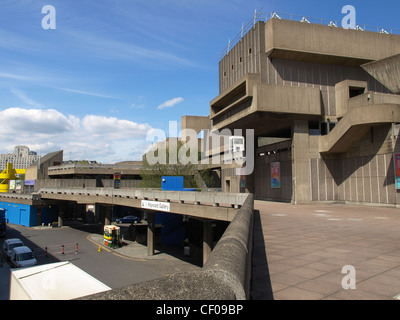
[[305, 247]]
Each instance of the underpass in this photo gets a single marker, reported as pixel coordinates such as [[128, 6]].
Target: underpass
[[206, 207]]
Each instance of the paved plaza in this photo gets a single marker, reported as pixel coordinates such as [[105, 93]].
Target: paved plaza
[[299, 252]]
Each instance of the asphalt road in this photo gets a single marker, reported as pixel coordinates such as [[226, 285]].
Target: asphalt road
[[113, 270]]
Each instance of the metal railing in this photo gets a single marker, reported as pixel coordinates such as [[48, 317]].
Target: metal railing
[[258, 16], [93, 166], [329, 22]]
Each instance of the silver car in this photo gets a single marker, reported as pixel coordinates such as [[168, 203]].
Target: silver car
[[10, 244]]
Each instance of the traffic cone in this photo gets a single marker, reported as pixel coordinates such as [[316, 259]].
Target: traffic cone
[[99, 249]]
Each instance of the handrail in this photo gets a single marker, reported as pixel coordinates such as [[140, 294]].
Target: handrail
[[93, 166], [323, 21]]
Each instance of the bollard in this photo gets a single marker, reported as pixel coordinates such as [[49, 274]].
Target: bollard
[[62, 249], [99, 249], [76, 251], [46, 251]]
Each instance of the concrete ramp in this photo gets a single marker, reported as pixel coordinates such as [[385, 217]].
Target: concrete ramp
[[355, 124], [386, 71]]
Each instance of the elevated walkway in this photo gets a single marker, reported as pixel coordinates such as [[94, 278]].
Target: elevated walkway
[[208, 205], [355, 124]]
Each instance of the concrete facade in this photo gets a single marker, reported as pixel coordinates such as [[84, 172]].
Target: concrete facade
[[323, 103]]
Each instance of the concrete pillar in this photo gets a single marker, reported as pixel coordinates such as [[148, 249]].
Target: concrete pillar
[[62, 210], [300, 162], [207, 239], [39, 216], [107, 214], [150, 233], [81, 211]]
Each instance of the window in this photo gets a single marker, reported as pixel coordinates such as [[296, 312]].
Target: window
[[240, 60], [355, 91], [249, 50]]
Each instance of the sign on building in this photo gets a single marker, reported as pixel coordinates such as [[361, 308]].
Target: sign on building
[[156, 205], [397, 170], [275, 175]]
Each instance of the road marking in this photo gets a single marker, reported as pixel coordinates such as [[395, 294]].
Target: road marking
[[128, 258], [321, 215], [397, 296], [323, 211], [279, 214], [383, 218], [94, 242], [114, 253], [334, 219], [355, 219]]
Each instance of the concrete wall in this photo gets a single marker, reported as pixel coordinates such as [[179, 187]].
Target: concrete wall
[[318, 75], [263, 189], [196, 123], [365, 179], [247, 56], [364, 174]]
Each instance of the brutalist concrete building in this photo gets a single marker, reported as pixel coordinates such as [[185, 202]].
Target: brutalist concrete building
[[324, 106]]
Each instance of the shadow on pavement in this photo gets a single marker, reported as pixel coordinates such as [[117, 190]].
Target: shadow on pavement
[[261, 288]]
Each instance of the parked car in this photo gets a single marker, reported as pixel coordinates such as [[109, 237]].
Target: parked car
[[128, 219], [10, 244], [22, 257]]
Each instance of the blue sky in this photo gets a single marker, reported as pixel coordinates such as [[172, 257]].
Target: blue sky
[[114, 69]]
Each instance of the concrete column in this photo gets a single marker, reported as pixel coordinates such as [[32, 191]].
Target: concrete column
[[62, 209], [207, 240], [300, 162], [150, 233], [39, 216], [107, 214]]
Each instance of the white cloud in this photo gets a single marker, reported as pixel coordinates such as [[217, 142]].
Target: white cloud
[[170, 103], [93, 137], [19, 121], [113, 127]]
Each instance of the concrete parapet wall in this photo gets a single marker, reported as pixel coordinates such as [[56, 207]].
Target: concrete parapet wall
[[80, 183], [225, 276], [233, 199]]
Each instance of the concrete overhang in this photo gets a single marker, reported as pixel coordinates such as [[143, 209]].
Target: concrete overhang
[[29, 199], [310, 42], [249, 99], [208, 205], [355, 124], [386, 71]]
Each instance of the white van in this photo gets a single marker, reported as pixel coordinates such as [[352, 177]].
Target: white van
[[22, 257], [10, 244]]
